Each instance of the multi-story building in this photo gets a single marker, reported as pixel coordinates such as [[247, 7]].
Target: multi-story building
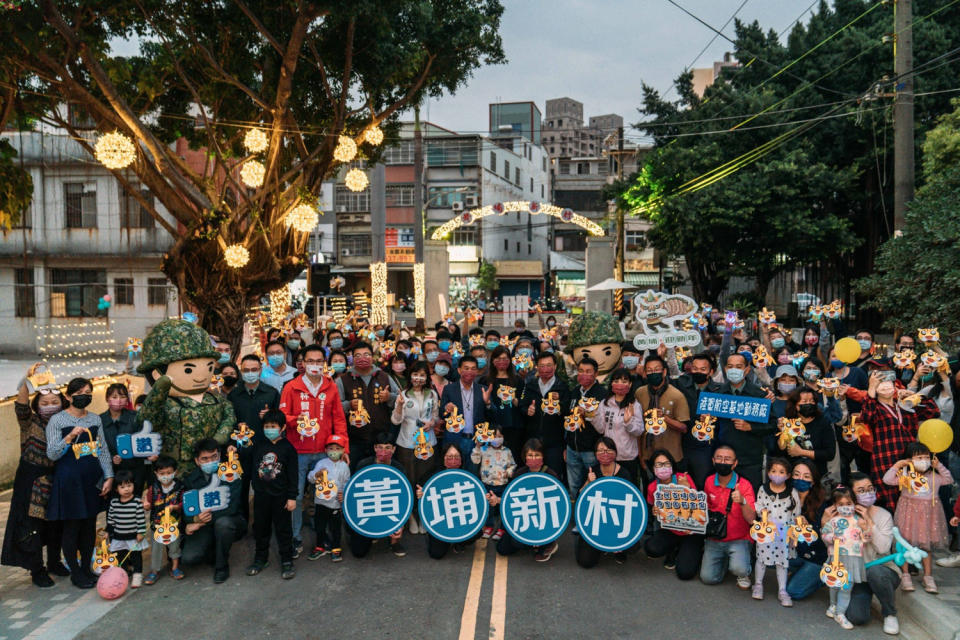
[[82, 237], [704, 77]]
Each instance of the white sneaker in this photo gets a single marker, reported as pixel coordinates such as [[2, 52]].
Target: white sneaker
[[744, 582], [832, 611], [137, 581], [414, 529], [950, 561], [843, 622], [891, 625]]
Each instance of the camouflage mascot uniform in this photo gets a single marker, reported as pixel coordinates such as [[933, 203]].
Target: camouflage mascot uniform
[[596, 334]]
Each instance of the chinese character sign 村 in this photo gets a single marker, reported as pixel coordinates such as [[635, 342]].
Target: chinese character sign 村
[[611, 514]]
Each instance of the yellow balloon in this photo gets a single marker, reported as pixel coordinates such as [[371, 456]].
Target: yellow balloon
[[847, 349], [936, 434]]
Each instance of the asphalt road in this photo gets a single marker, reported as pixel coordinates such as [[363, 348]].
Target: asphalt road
[[475, 594]]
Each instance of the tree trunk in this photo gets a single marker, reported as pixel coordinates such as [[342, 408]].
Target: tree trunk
[[707, 282]]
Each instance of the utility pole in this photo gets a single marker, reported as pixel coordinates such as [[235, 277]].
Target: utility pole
[[621, 233], [378, 212], [903, 151], [418, 216]]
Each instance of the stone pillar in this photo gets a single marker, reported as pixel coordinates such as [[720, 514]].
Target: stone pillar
[[600, 261], [437, 271]]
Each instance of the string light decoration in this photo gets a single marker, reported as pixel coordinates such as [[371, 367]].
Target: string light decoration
[[524, 206], [252, 173], [85, 349], [378, 293], [346, 149], [115, 150], [361, 303], [280, 300], [419, 290], [618, 300], [356, 180], [373, 135], [256, 141], [303, 218], [236, 256], [338, 308]]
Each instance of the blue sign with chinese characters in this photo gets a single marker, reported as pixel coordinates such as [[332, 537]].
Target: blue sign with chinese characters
[[611, 514], [213, 497], [377, 501], [734, 407], [535, 508], [454, 505], [142, 444]]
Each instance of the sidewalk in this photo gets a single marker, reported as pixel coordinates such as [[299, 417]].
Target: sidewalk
[[938, 615]]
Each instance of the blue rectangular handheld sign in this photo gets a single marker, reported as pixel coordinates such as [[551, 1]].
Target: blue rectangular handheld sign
[[734, 407]]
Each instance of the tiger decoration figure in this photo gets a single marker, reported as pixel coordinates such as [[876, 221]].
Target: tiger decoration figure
[[704, 428], [904, 359], [910, 480], [230, 469], [790, 430], [654, 422], [763, 531], [242, 435], [550, 405], [829, 386], [854, 431], [307, 427], [506, 394], [326, 488], [359, 417], [761, 357], [167, 529], [833, 573], [766, 316], [833, 310], [801, 531], [574, 421], [454, 422], [483, 433], [816, 312], [929, 336], [422, 450], [935, 361], [588, 406], [103, 558]]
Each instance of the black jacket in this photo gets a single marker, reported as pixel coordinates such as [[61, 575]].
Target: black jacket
[[275, 469], [586, 438], [197, 479], [548, 428], [747, 444], [247, 406], [112, 428], [689, 389]]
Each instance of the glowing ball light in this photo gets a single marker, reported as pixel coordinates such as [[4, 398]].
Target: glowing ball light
[[255, 141], [847, 349], [236, 256], [356, 180], [252, 173], [303, 218], [112, 583], [346, 149], [115, 150], [373, 135]]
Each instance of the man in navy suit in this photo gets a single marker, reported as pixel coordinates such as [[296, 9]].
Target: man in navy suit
[[470, 400]]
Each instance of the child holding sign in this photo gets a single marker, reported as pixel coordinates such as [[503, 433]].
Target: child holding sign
[[919, 515], [328, 499], [849, 530], [165, 491], [782, 504]]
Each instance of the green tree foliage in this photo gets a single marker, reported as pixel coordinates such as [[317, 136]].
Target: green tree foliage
[[16, 187], [306, 72], [487, 277]]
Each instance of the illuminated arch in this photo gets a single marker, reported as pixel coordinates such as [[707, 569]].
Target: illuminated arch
[[524, 206]]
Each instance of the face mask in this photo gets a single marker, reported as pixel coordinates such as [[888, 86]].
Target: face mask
[[398, 367], [867, 499], [811, 340], [837, 364], [165, 479], [293, 345], [444, 345], [275, 360], [846, 510], [432, 356], [481, 363], [927, 378], [921, 464], [48, 410], [885, 389], [404, 352], [811, 374], [250, 377], [383, 457], [336, 343], [116, 404], [334, 455], [735, 375], [620, 388], [630, 362], [786, 387], [451, 464], [777, 478], [380, 333], [441, 369], [655, 379], [314, 370], [339, 367], [518, 329], [348, 328], [81, 400], [551, 323], [534, 464], [699, 378], [802, 485], [606, 457], [271, 433], [229, 381], [224, 358], [418, 380], [527, 351], [864, 344], [496, 443], [210, 467], [663, 473], [777, 343], [585, 379], [492, 344], [807, 410], [723, 468]]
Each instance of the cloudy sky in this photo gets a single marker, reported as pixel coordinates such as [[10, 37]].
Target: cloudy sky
[[599, 52]]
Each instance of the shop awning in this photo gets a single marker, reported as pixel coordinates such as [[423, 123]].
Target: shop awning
[[519, 268], [643, 279], [571, 275]]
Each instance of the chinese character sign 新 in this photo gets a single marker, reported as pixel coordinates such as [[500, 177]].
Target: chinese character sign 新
[[535, 509]]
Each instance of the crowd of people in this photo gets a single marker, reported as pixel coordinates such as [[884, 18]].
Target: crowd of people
[[320, 405]]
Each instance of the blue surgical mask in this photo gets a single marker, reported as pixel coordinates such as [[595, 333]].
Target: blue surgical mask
[[250, 376], [496, 443], [802, 485], [339, 367], [777, 343], [548, 350], [336, 343], [380, 333], [293, 344], [210, 468], [404, 352], [444, 345], [837, 364], [271, 433], [441, 369], [864, 344], [225, 357], [735, 375], [432, 356], [526, 351], [631, 362], [348, 328], [811, 374], [492, 344], [785, 387], [481, 363], [275, 360]]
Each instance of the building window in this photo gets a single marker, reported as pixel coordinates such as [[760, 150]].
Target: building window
[[399, 195], [134, 215], [456, 152], [635, 240], [157, 291], [564, 168], [506, 170], [356, 244], [123, 290], [543, 192], [531, 185], [74, 293], [516, 176], [506, 245], [464, 237], [23, 301], [493, 162], [518, 247], [347, 200], [80, 200], [529, 248], [401, 153]]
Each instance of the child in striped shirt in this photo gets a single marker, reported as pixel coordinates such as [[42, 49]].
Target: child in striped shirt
[[127, 526]]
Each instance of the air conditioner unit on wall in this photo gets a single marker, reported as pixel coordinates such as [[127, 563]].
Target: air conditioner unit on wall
[[471, 201], [457, 206], [345, 253]]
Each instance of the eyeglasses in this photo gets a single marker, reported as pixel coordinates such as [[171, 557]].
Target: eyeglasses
[[451, 457], [45, 392], [662, 465], [313, 362]]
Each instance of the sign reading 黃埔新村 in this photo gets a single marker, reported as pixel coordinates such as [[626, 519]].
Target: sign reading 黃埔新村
[[734, 407], [454, 506], [535, 508], [377, 501]]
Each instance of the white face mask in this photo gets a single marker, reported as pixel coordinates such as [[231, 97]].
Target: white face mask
[[313, 369], [921, 464]]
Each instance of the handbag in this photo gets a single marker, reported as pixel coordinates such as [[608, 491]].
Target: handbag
[[717, 522], [88, 448]]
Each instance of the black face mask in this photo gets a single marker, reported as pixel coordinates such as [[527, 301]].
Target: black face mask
[[229, 381], [655, 379], [81, 400], [699, 378], [723, 468], [807, 410]]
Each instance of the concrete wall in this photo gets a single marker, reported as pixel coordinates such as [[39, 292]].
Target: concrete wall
[[600, 259]]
